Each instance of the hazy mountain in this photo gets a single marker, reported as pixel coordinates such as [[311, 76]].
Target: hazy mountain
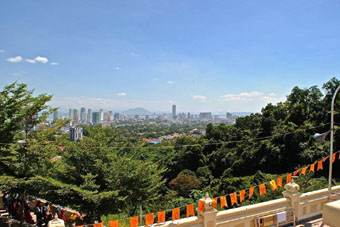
[[136, 111]]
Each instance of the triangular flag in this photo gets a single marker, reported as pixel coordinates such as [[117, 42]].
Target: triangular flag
[[201, 206], [289, 177], [176, 214], [233, 198], [190, 210], [273, 185], [149, 219], [223, 200], [214, 202], [279, 182], [296, 172], [98, 225], [161, 217], [324, 159], [251, 192], [312, 168], [304, 169], [242, 194], [134, 221], [262, 188], [114, 223], [319, 165], [333, 157]]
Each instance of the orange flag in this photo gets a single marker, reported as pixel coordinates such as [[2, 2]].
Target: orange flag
[[304, 169], [223, 200], [161, 217], [134, 221], [214, 202], [201, 206], [114, 223], [312, 168], [98, 225], [79, 226], [324, 159], [289, 177], [273, 185], [333, 157], [233, 198], [319, 165], [262, 189], [242, 193], [176, 214], [149, 219], [279, 182], [251, 192], [296, 172], [190, 210]]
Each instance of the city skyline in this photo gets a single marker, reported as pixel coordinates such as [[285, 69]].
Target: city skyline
[[220, 57]]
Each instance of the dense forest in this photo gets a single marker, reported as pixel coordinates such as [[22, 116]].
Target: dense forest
[[104, 175]]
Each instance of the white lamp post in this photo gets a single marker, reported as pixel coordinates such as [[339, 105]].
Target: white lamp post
[[321, 138]]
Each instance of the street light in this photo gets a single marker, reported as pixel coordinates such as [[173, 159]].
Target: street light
[[321, 138]]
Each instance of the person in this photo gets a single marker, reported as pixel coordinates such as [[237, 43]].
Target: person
[[5, 200], [47, 213], [27, 213], [62, 216], [38, 210]]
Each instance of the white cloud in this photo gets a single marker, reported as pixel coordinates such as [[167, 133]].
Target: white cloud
[[122, 94], [241, 96], [254, 96], [117, 68], [15, 59], [43, 60], [54, 63], [170, 82], [2, 51], [30, 61], [200, 98]]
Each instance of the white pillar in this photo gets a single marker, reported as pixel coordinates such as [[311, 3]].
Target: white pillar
[[292, 194], [209, 214]]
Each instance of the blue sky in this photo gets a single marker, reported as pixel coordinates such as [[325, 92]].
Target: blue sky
[[213, 55]]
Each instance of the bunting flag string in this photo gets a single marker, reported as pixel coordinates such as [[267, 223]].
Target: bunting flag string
[[274, 184]]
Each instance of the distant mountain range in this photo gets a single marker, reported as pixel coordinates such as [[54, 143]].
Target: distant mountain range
[[136, 111]]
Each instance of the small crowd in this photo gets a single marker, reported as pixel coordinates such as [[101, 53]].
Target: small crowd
[[42, 212]]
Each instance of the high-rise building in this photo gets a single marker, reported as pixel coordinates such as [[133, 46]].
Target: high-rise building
[[116, 117], [76, 133], [96, 117], [101, 112], [75, 115], [205, 116], [70, 114], [173, 111], [83, 115], [89, 115], [55, 115]]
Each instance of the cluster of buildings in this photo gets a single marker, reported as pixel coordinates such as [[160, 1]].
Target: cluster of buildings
[[88, 117]]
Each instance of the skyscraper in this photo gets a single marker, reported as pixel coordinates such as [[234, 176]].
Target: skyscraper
[[83, 114], [55, 115], [89, 115], [101, 112], [96, 117], [116, 117], [173, 111], [75, 115], [70, 114]]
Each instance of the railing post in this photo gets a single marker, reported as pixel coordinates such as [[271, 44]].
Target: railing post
[[292, 194], [209, 213]]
